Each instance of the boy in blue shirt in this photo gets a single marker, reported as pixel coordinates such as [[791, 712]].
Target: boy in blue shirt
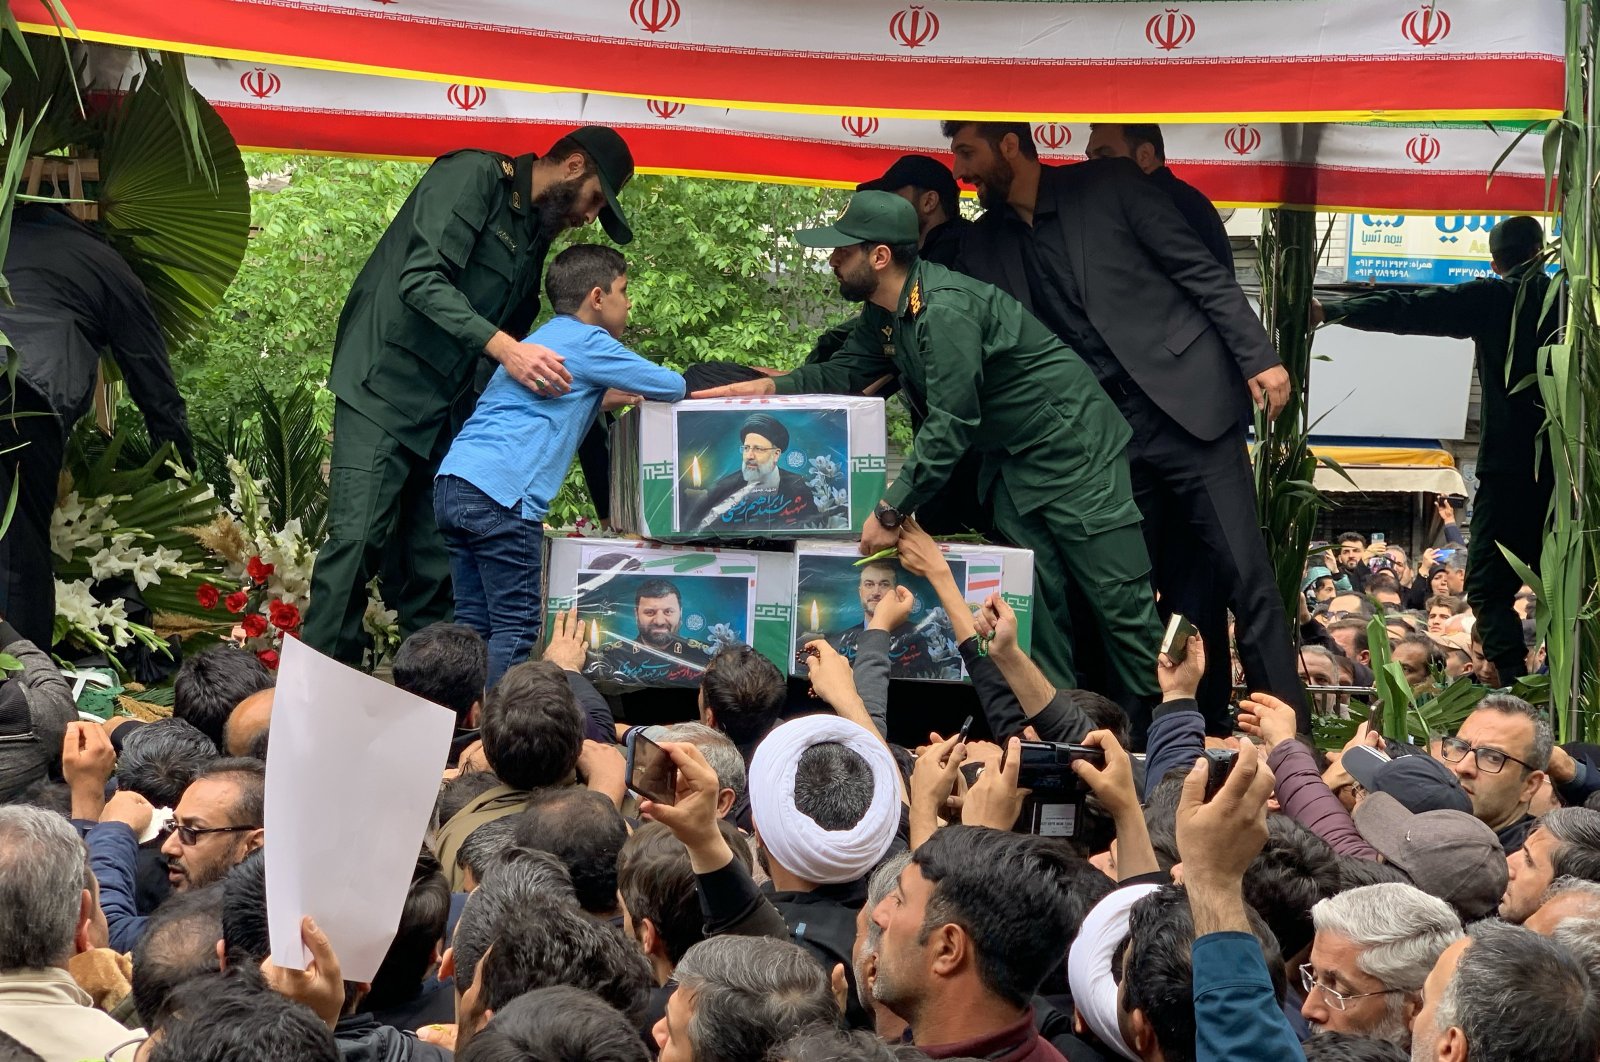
[[504, 468]]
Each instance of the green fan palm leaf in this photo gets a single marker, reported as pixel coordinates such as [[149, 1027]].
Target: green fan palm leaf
[[183, 235]]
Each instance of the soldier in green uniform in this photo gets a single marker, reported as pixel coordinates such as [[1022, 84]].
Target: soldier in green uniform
[[455, 277], [985, 375]]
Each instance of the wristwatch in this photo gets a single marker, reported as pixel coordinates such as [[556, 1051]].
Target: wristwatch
[[888, 516]]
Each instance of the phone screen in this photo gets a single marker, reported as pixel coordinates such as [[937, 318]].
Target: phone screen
[[651, 772]]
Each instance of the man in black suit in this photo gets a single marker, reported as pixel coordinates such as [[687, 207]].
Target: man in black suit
[[1101, 255], [1145, 145]]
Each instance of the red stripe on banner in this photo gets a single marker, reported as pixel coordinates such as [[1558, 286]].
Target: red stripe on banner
[[664, 148], [986, 584], [1270, 87]]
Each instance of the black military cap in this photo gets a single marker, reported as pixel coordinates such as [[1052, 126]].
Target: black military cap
[[614, 163], [917, 171]]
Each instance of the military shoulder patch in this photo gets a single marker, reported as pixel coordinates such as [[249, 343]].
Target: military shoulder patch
[[507, 168], [914, 301]]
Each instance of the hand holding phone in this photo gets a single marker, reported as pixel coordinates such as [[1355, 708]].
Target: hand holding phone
[[651, 772], [1175, 642], [1221, 764]]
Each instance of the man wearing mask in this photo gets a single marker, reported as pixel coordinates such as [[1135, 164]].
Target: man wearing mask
[[456, 276]]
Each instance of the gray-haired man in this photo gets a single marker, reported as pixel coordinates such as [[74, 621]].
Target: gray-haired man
[[1506, 993], [45, 914], [1374, 948]]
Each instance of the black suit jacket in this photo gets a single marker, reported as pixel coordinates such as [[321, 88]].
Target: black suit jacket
[[1199, 212], [1174, 319]]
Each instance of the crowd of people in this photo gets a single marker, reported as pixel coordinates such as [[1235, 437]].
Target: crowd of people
[[811, 891], [1128, 869], [1432, 629]]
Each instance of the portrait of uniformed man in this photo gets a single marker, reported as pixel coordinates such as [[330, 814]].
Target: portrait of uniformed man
[[659, 653]]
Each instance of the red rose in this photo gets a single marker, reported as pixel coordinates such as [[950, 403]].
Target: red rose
[[236, 601], [269, 657], [207, 595], [255, 625], [284, 616], [258, 570]]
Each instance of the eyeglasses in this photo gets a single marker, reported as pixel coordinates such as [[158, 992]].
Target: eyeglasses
[[1490, 761], [111, 1055], [190, 835], [1336, 1000], [758, 449]]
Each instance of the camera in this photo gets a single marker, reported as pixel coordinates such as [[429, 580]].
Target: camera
[[1054, 807], [1220, 763]]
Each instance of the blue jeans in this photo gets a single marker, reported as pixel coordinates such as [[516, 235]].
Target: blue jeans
[[495, 563]]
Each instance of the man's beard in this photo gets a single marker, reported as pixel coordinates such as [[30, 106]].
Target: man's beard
[[656, 636], [754, 473], [886, 990], [557, 207], [995, 188], [860, 285], [1391, 1028]]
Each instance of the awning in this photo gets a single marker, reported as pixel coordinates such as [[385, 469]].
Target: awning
[[1133, 60], [1374, 167], [1391, 466], [1380, 106]]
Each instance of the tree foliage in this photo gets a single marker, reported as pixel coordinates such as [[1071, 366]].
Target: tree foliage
[[277, 320]]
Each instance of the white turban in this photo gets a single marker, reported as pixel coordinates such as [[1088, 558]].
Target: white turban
[[1094, 991], [792, 837]]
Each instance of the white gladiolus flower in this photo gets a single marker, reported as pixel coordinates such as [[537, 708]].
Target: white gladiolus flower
[[76, 604]]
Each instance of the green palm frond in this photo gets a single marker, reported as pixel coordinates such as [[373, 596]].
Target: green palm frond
[[280, 443], [290, 460], [183, 235]]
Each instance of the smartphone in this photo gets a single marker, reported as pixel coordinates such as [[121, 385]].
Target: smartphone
[[966, 728], [1175, 643], [1379, 539], [651, 772], [1221, 765], [1443, 554]]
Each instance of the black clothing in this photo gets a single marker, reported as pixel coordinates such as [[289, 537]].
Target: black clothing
[[1515, 475], [1207, 489], [654, 1011], [1199, 213], [823, 922], [759, 510], [942, 244], [1111, 264], [75, 297], [151, 886], [434, 1004], [361, 1039], [1055, 1025], [1124, 260], [32, 448], [1514, 836]]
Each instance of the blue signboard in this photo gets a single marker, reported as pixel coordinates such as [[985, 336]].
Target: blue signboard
[[1418, 249]]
